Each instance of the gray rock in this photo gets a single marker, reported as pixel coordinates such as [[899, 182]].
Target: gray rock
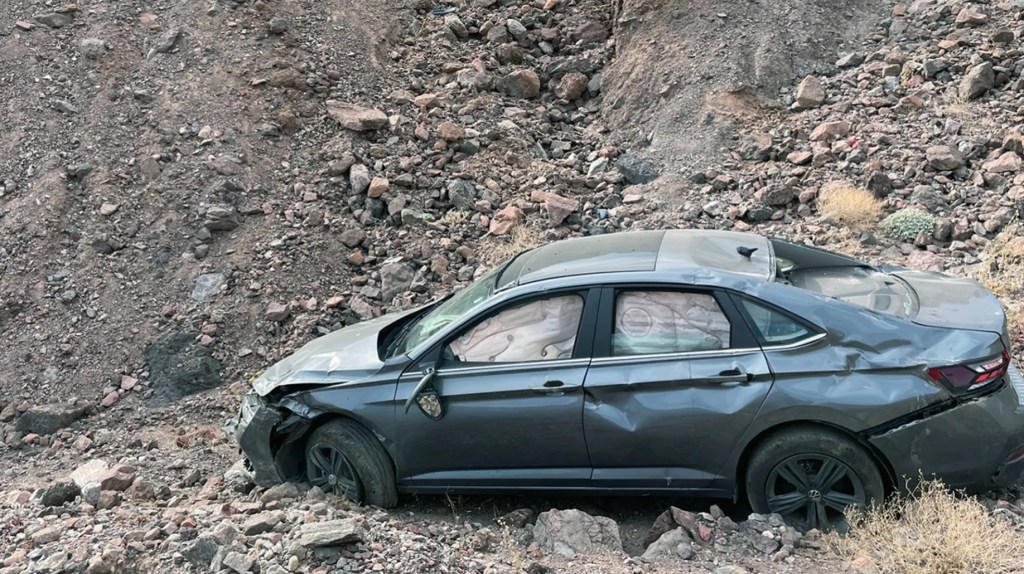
[[240, 563], [277, 25], [850, 60], [779, 195], [200, 552], [330, 533], [979, 80], [731, 569], [356, 118], [92, 48], [462, 194], [48, 419], [179, 366], [280, 492], [520, 84], [570, 532], [359, 178], [55, 20], [165, 43], [395, 279], [263, 522], [60, 492], [221, 218], [810, 93], [207, 286], [277, 312], [944, 157], [637, 170], [674, 544]]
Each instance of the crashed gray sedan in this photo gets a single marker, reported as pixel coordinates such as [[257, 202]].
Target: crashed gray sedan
[[679, 362]]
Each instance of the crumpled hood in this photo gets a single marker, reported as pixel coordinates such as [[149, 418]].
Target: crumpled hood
[[343, 355]]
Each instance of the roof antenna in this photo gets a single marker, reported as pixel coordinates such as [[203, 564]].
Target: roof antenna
[[746, 251]]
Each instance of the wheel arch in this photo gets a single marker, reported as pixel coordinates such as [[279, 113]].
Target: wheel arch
[[292, 461], [884, 467]]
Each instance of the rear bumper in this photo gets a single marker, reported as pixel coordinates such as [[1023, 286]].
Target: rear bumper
[[254, 432], [975, 445]]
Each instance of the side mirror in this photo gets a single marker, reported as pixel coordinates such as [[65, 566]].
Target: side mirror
[[426, 396]]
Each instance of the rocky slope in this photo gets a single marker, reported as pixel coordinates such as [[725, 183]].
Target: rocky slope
[[190, 190]]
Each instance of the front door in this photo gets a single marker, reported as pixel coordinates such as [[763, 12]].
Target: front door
[[511, 389], [676, 379]]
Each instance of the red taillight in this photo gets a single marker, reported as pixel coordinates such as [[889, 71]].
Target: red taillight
[[965, 378]]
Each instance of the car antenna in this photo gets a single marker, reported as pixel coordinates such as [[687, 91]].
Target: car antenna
[[746, 251]]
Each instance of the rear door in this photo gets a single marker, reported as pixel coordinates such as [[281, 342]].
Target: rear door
[[676, 379], [510, 383]]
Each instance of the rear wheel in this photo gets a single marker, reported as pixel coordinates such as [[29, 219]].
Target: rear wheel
[[810, 477], [344, 458]]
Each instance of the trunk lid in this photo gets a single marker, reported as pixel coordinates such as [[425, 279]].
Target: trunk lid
[[953, 302]]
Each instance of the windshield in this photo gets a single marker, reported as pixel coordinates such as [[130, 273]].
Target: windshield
[[450, 309]]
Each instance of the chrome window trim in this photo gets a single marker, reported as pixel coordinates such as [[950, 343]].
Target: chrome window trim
[[671, 356], [796, 344], [507, 367]]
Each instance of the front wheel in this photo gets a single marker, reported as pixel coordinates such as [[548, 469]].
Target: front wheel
[[344, 458], [810, 477]]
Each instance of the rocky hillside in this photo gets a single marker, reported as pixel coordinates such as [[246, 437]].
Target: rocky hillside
[[189, 190]]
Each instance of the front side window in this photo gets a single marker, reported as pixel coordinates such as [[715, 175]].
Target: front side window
[[774, 327], [655, 322], [539, 330]]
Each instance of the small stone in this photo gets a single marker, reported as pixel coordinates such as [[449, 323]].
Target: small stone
[[810, 93], [520, 84], [505, 220], [109, 400], [830, 131], [277, 312], [82, 443], [359, 178], [978, 81], [356, 118], [54, 20], [850, 60], [1007, 162], [238, 562], [92, 48], [450, 131], [330, 533], [108, 209], [277, 25], [1002, 36], [118, 478], [60, 493], [971, 17], [46, 535], [571, 86], [352, 237], [280, 492], [378, 187], [944, 157]]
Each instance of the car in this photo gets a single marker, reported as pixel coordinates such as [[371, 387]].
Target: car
[[672, 362]]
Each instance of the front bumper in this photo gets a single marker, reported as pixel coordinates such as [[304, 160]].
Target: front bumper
[[975, 445], [254, 433]]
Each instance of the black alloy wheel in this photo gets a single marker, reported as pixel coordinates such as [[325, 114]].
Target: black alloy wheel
[[331, 470], [814, 491]]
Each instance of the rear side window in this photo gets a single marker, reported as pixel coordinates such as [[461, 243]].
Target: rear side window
[[655, 322], [775, 327]]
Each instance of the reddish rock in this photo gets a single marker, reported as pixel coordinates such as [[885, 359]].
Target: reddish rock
[[571, 86], [1007, 162], [830, 131], [351, 238], [82, 443], [109, 400], [506, 219], [334, 301], [425, 101], [520, 84], [450, 131], [277, 312], [119, 477], [378, 187], [356, 118]]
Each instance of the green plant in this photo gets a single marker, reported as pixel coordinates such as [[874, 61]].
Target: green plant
[[905, 224]]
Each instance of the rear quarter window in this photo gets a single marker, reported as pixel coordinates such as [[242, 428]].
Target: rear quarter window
[[774, 327]]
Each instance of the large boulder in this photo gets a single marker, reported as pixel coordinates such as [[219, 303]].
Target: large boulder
[[572, 532], [48, 419]]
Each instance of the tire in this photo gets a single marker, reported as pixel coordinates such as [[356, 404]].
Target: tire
[[785, 475], [343, 457]]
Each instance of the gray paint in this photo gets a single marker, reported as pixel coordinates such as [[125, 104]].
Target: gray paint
[[665, 423]]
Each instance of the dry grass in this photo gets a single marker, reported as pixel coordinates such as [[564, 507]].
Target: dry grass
[[849, 205], [932, 531], [494, 250], [1002, 272]]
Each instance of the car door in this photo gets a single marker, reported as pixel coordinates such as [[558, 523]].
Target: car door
[[676, 378], [510, 386]]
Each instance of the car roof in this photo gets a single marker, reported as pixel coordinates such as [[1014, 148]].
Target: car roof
[[672, 252]]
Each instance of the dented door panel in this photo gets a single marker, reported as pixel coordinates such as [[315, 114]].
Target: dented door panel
[[677, 415]]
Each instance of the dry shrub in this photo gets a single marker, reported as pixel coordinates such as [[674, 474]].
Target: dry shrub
[[497, 249], [1002, 272], [849, 205], [931, 531]]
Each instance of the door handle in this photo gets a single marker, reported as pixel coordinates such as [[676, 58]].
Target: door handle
[[554, 387], [732, 376]]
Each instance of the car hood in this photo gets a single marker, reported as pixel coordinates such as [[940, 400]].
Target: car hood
[[343, 355]]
